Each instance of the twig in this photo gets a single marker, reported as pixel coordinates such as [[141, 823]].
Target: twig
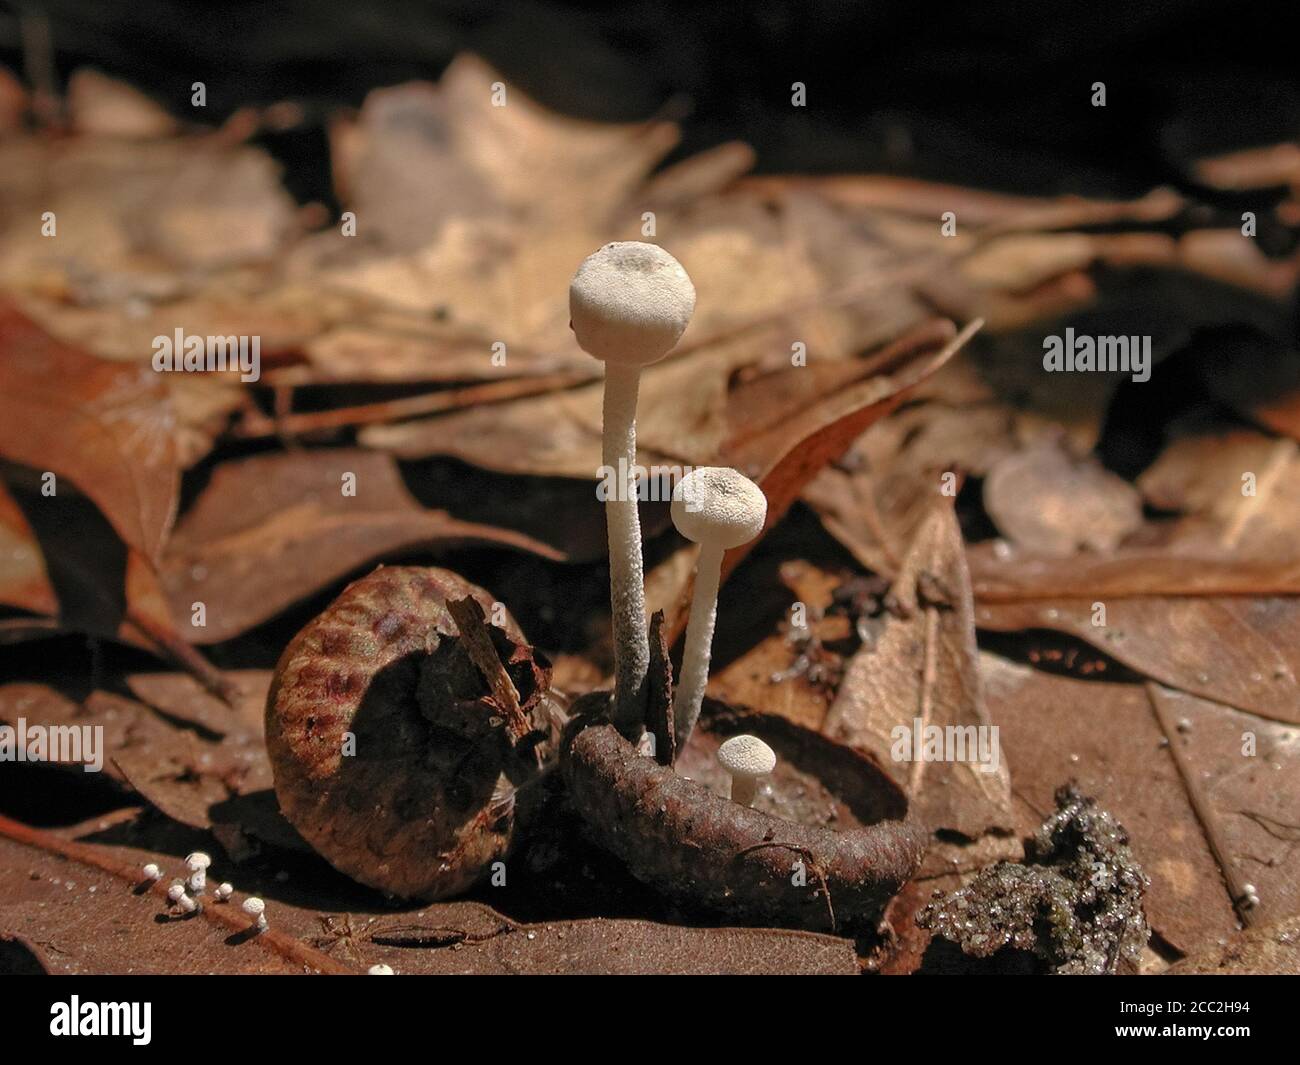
[[477, 642], [1204, 814], [257, 426]]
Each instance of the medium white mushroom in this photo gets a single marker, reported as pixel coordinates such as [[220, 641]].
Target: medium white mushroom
[[197, 863], [255, 907], [629, 304], [746, 758], [718, 508]]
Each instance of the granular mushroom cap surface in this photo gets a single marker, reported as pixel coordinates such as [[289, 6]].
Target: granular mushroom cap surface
[[746, 756], [629, 303], [720, 505]]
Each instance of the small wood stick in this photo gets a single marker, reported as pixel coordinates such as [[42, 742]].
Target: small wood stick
[[469, 618]]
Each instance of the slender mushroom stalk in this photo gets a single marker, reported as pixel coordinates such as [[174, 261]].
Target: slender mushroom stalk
[[746, 758], [629, 303], [718, 508]]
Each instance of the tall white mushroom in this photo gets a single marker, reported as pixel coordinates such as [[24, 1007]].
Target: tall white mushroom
[[629, 303], [718, 508]]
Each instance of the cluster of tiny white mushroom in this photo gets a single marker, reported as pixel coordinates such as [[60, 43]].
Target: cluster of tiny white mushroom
[[629, 304], [184, 894]]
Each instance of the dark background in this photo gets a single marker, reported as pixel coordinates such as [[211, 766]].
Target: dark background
[[980, 94]]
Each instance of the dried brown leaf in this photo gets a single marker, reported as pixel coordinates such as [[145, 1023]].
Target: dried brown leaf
[[922, 670]]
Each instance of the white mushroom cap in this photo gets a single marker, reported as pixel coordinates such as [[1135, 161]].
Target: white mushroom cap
[[196, 861], [380, 970], [254, 906], [716, 504], [746, 756], [629, 303], [176, 892]]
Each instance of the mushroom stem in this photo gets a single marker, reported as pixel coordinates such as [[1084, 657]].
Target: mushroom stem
[[698, 649], [744, 790], [623, 523]]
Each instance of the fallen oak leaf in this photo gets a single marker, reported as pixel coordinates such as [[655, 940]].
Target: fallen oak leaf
[[1126, 573], [106, 427], [101, 586], [24, 582], [1105, 736], [270, 530], [1237, 651], [920, 674]]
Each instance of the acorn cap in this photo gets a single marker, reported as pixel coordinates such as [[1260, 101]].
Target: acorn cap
[[718, 505], [746, 756], [629, 303]]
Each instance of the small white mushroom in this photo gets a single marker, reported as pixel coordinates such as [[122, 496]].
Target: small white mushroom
[[380, 970], [224, 890], [746, 758], [718, 508], [176, 895], [255, 907], [152, 872], [629, 304]]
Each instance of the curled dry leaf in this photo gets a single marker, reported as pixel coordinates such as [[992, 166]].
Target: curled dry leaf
[[1234, 488], [1046, 502], [491, 161], [145, 219], [920, 679], [270, 530], [100, 106]]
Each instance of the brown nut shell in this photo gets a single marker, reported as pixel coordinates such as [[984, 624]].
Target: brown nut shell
[[707, 852], [426, 800]]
